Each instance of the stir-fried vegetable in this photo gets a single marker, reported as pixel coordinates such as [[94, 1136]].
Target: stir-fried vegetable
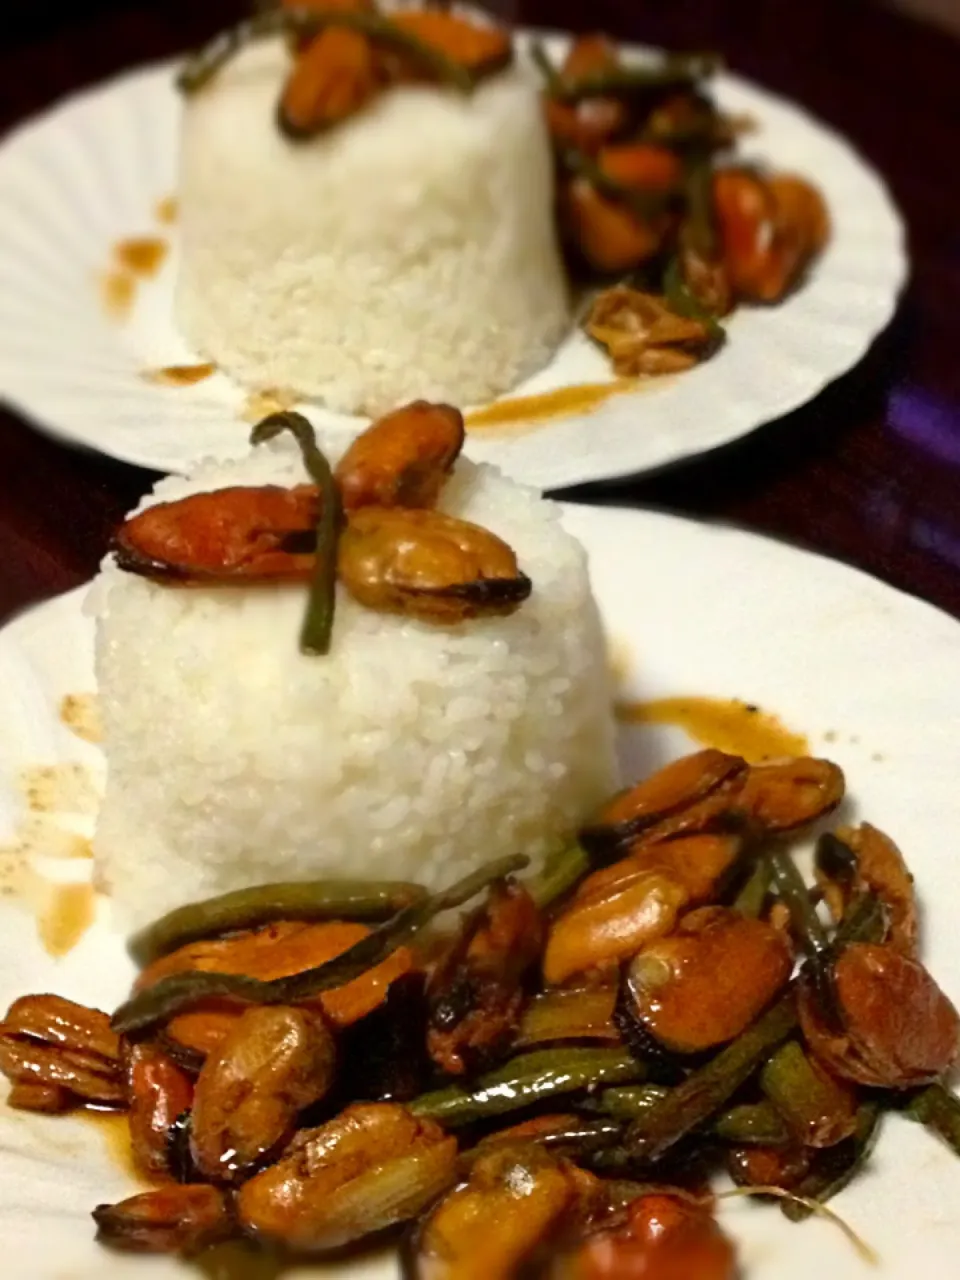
[[819, 1110], [641, 196], [836, 1167], [318, 623], [690, 1104], [182, 990], [939, 1110], [672, 73], [250, 1063], [248, 908], [534, 1077]]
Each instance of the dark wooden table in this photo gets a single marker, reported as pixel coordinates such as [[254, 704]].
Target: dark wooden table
[[869, 472]]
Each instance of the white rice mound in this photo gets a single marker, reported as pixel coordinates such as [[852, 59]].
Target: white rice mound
[[410, 752], [408, 252]]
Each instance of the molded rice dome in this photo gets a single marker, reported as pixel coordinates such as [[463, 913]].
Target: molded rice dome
[[409, 251], [412, 751]]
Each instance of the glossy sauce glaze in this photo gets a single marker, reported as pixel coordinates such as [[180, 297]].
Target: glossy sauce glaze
[[118, 289], [114, 1130], [142, 255], [67, 915], [167, 210], [80, 712], [241, 1260], [179, 375], [728, 724], [565, 402]]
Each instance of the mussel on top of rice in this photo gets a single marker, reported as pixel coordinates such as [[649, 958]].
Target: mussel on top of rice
[[371, 526], [557, 1105], [450, 693], [521, 182], [366, 206]]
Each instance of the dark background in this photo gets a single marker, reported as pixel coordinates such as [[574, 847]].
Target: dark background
[[868, 472]]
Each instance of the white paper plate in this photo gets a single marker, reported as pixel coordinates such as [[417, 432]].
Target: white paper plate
[[868, 674], [91, 172]]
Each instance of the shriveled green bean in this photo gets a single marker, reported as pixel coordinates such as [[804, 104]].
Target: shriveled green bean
[[817, 1110], [569, 1014], [617, 82], [757, 1123], [810, 933], [560, 872], [752, 897], [184, 990], [690, 1105], [631, 1101], [836, 1167], [250, 908], [751, 1124], [708, 131], [579, 1134], [529, 1079], [790, 886], [202, 66], [254, 1260], [699, 227], [644, 204], [317, 627], [938, 1109]]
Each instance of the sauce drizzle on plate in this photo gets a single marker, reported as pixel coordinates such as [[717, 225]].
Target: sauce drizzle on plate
[[118, 290], [167, 210], [69, 913], [143, 255], [565, 402], [114, 1128], [179, 375], [728, 724]]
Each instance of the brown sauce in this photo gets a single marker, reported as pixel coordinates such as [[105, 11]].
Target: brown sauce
[[239, 1260], [80, 712], [167, 210], [179, 375], [118, 290], [58, 788], [114, 1129], [66, 917], [565, 402], [740, 728], [142, 255], [260, 404]]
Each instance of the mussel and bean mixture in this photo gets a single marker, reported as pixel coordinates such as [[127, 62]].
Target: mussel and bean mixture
[[662, 227], [545, 1087]]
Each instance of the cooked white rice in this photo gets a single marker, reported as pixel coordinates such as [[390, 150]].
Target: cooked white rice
[[411, 752], [409, 252]]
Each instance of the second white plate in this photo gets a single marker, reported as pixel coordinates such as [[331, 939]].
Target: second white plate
[[807, 638], [93, 171]]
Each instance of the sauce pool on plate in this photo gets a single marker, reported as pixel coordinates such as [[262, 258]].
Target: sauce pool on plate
[[114, 1128], [565, 402], [728, 724], [118, 290], [167, 210], [142, 255], [68, 914], [179, 375]]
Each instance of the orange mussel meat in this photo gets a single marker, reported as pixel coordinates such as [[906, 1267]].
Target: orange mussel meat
[[233, 535], [276, 951]]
